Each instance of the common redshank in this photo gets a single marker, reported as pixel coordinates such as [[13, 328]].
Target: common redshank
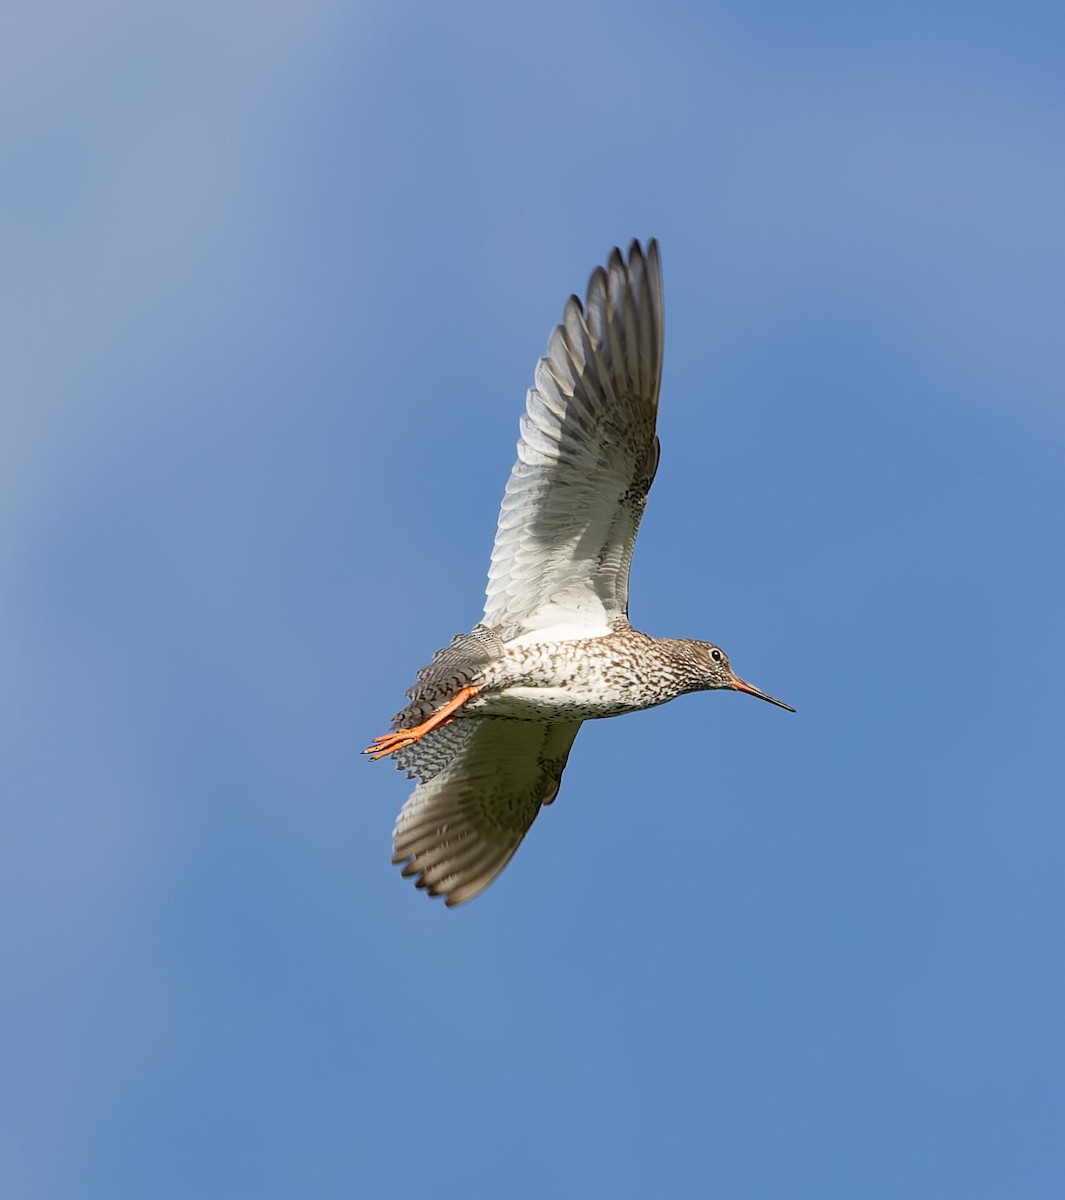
[[492, 718]]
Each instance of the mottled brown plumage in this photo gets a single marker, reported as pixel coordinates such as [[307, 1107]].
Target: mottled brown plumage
[[491, 720]]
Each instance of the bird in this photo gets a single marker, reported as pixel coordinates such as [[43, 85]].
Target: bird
[[491, 720]]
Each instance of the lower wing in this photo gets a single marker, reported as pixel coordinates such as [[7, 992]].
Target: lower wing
[[484, 783]]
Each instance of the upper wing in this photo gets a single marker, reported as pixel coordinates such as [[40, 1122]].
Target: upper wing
[[586, 458], [461, 825]]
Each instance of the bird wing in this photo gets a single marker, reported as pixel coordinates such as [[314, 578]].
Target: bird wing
[[586, 459], [461, 825]]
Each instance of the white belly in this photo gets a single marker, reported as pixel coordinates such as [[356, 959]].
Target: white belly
[[547, 704]]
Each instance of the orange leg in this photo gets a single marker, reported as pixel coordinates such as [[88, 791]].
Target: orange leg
[[389, 743]]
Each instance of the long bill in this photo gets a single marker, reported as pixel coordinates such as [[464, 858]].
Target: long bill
[[741, 685]]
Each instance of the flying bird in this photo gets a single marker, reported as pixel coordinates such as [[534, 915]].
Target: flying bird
[[492, 718]]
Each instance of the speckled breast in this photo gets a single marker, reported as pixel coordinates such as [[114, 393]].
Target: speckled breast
[[581, 680]]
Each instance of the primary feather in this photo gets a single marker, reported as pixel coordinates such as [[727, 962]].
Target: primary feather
[[586, 459]]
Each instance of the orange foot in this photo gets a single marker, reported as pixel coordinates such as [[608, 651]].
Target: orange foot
[[400, 739]]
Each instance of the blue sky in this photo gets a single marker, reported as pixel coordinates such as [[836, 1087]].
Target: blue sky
[[276, 277]]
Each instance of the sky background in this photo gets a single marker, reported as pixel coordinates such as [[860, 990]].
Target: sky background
[[275, 280]]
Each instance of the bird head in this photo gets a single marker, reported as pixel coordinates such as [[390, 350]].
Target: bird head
[[717, 672]]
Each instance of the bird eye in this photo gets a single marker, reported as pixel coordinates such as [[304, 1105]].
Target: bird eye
[[715, 655]]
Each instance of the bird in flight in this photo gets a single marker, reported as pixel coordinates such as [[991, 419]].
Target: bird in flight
[[491, 720]]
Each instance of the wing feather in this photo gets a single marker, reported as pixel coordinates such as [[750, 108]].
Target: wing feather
[[461, 825], [586, 458]]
